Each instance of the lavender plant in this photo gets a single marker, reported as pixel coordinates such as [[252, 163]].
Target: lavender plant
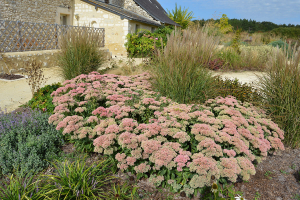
[[185, 147], [27, 141]]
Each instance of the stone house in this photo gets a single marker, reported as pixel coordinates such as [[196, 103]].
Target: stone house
[[120, 17], [38, 11]]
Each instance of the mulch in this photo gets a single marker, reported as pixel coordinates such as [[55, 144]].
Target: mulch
[[10, 76]]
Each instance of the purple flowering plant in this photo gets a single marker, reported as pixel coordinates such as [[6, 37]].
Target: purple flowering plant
[[185, 147]]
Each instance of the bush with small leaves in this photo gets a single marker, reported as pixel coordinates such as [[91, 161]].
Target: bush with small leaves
[[27, 142], [42, 98]]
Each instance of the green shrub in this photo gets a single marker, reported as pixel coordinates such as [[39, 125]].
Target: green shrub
[[242, 92], [42, 98], [27, 142], [287, 32], [232, 60], [236, 40], [228, 44], [143, 44], [250, 58], [281, 92], [178, 69], [80, 53], [281, 44]]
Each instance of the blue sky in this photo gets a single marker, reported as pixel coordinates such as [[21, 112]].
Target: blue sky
[[276, 11]]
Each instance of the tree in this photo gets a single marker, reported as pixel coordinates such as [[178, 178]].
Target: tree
[[223, 25], [181, 16]]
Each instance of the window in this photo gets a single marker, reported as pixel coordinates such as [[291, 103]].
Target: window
[[64, 19], [137, 28], [153, 29]]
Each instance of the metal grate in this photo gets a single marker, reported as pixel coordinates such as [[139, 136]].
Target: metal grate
[[16, 36]]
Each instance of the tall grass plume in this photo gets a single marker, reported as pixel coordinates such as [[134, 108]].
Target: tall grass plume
[[177, 69], [281, 92]]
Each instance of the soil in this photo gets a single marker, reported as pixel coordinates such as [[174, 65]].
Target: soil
[[10, 76]]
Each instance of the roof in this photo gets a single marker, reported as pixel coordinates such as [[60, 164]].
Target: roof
[[122, 12], [156, 11]]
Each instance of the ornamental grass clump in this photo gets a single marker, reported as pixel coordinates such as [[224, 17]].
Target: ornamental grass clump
[[178, 70], [281, 92], [80, 53], [184, 147]]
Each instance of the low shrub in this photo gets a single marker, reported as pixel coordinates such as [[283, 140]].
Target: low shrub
[[250, 58], [143, 44], [80, 53], [281, 44], [27, 142], [181, 146], [287, 32], [42, 98], [242, 92], [281, 92]]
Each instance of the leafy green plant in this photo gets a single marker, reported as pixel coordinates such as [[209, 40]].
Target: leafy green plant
[[236, 41], [77, 181], [242, 92], [287, 32], [267, 174], [19, 188], [178, 69], [27, 142], [42, 98], [181, 16], [280, 89], [80, 53], [257, 196], [123, 192], [284, 172], [144, 43], [223, 25]]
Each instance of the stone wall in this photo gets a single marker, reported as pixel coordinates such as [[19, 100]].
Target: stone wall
[[38, 11], [134, 7], [14, 62]]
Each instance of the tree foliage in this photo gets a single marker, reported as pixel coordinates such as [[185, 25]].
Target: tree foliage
[[181, 16], [223, 24]]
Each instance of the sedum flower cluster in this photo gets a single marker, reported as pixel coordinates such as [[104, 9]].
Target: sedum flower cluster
[[181, 146]]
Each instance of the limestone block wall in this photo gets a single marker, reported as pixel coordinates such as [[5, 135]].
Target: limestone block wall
[[14, 62], [116, 29], [37, 11], [132, 26]]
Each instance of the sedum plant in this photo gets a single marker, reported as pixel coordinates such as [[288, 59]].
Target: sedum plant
[[184, 147]]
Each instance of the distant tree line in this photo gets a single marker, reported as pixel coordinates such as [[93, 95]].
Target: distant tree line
[[250, 25]]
